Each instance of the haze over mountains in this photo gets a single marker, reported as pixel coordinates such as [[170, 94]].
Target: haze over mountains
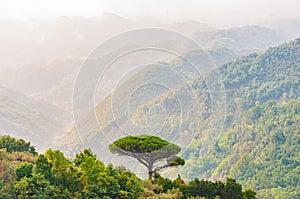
[[42, 41], [40, 61], [260, 127]]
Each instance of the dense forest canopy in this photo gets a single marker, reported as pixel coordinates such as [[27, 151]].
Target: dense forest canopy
[[52, 175]]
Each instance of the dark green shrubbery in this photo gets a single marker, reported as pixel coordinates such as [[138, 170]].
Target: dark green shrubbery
[[52, 175]]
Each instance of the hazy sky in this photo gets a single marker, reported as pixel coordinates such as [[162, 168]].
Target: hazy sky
[[209, 11]]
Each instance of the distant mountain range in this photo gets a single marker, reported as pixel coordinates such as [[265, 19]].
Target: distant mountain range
[[44, 66], [23, 117], [40, 62], [38, 42], [243, 40], [262, 103]]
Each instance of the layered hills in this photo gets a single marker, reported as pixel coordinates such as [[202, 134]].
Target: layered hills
[[259, 135]]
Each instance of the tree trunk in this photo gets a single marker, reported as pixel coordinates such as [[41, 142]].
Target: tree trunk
[[150, 170], [150, 173]]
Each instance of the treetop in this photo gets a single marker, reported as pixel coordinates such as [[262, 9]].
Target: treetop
[[144, 144]]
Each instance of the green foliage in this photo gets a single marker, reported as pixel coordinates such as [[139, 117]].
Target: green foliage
[[249, 194], [145, 144], [175, 161], [232, 189], [229, 189], [259, 145], [170, 194], [105, 181], [12, 145], [42, 166], [148, 150], [52, 175], [166, 183], [24, 170], [129, 184], [261, 153], [36, 187], [204, 188], [82, 155]]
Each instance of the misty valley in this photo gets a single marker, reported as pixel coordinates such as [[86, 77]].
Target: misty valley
[[115, 107]]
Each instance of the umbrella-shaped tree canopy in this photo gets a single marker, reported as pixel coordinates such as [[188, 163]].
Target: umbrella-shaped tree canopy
[[148, 150]]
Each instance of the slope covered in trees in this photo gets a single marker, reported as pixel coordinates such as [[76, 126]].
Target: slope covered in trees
[[260, 142], [52, 175], [252, 83], [261, 151]]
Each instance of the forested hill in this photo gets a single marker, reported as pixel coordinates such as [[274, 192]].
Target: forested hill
[[255, 85], [261, 77], [261, 150], [260, 142], [26, 174]]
